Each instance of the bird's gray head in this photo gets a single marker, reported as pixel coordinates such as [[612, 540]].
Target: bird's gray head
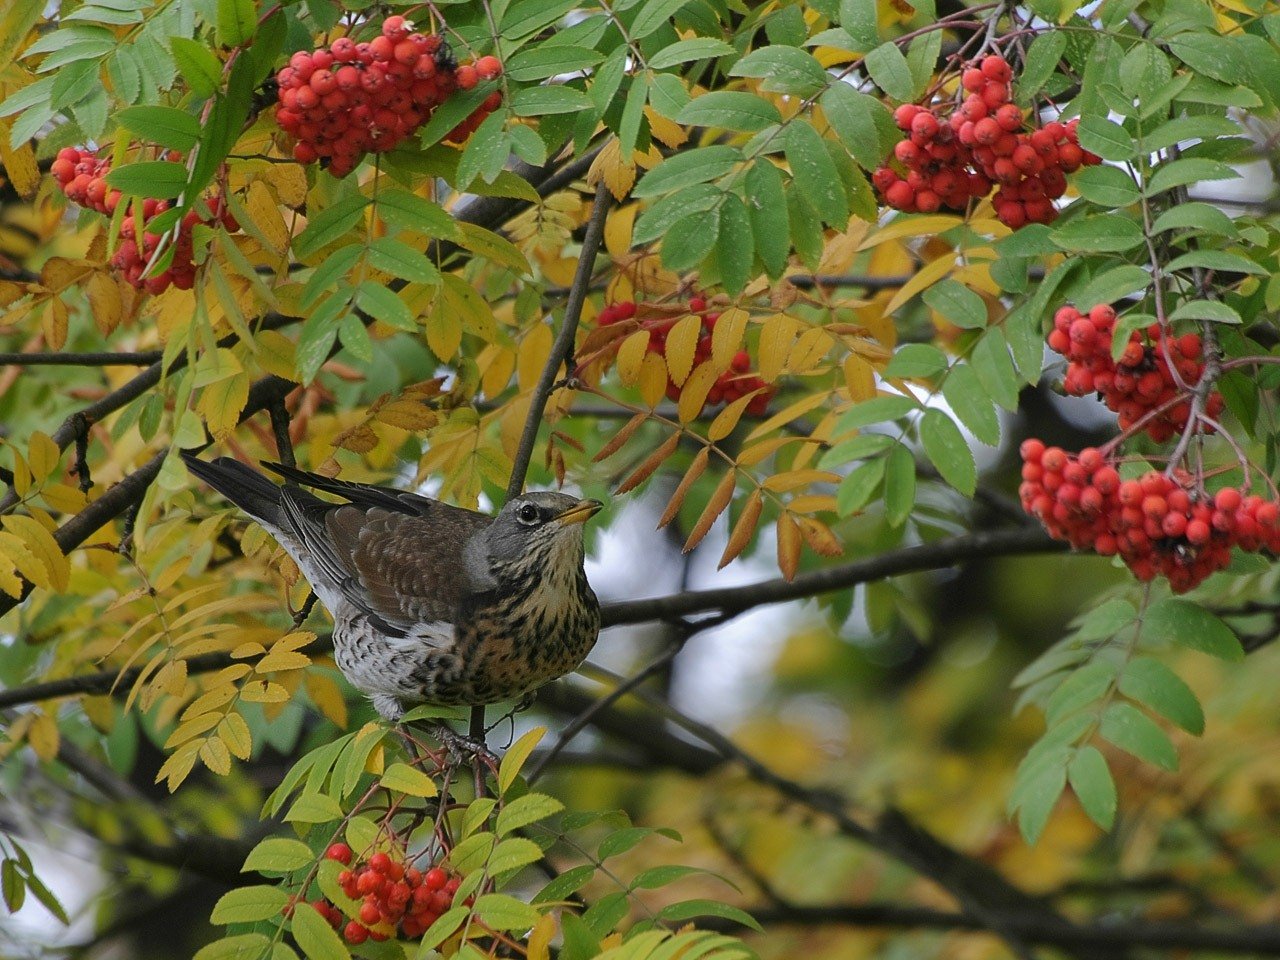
[[540, 527]]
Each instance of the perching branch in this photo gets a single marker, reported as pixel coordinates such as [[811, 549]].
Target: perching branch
[[562, 348]]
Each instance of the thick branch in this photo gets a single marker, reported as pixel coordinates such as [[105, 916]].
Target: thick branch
[[562, 348], [929, 556], [108, 358]]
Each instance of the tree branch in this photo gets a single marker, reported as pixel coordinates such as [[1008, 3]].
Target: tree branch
[[562, 348], [108, 358]]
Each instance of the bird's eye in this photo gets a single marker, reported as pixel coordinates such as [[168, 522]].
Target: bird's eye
[[527, 513]]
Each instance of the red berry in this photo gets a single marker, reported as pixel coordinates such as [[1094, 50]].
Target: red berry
[[340, 852]]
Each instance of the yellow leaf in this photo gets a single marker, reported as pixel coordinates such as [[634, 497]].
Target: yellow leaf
[[192, 728], [788, 546], [631, 356], [859, 378], [539, 943], [927, 276], [787, 414], [43, 546], [406, 779], [16, 555], [234, 732], [911, 227], [534, 350], [63, 498], [444, 333], [809, 350], [327, 696], [105, 302], [410, 415], [216, 757], [19, 162], [264, 212], [653, 379], [263, 691], [492, 247], [171, 678], [693, 396], [210, 700], [619, 174], [776, 337], [726, 337], [275, 353], [682, 343], [43, 736], [179, 765], [617, 230], [278, 660], [813, 503], [462, 299], [10, 583], [53, 322], [665, 131], [794, 479], [222, 402], [728, 418]]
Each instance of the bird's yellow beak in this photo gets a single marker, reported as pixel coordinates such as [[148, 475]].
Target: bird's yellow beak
[[580, 512]]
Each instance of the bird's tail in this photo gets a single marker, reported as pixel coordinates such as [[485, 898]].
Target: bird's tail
[[245, 487]]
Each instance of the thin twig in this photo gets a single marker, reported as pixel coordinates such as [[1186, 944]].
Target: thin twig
[[562, 348]]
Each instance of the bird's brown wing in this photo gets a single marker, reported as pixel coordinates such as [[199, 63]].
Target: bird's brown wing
[[391, 553], [410, 566]]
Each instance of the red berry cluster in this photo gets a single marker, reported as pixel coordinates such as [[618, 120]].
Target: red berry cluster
[[391, 893], [83, 179], [735, 382], [351, 98], [1142, 379], [983, 141], [1157, 524]]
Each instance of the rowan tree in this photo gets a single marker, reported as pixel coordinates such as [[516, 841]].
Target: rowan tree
[[941, 315]]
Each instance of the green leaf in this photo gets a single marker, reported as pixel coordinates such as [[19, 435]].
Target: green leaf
[[729, 110], [316, 938], [236, 23], [1106, 138], [1081, 689], [632, 115], [12, 886], [1112, 285], [945, 447], [543, 62], [329, 224], [401, 260], [689, 909], [540, 101], [406, 779], [1182, 129], [859, 486], [1179, 173], [667, 94], [249, 904], [1211, 55], [525, 810], [1195, 215], [770, 225], [246, 946], [442, 929], [1212, 310], [899, 485], [499, 911], [1191, 625], [167, 126], [1097, 234], [783, 70], [150, 178], [486, 152], [513, 853], [1107, 186], [916, 360], [656, 877], [735, 245], [1215, 260], [993, 365], [1158, 688], [514, 759], [408, 211], [859, 448], [958, 304], [1091, 780], [1041, 796], [690, 239], [686, 168], [1128, 728], [964, 394], [654, 14], [852, 116], [888, 68], [382, 303], [876, 410], [278, 855], [314, 807], [657, 220], [1043, 57], [685, 51], [860, 20], [568, 883], [815, 174]]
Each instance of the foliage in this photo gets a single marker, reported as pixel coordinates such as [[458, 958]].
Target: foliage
[[688, 192]]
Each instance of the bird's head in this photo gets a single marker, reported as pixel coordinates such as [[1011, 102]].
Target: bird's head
[[540, 527]]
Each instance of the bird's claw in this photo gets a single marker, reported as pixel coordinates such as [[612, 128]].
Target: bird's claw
[[463, 749]]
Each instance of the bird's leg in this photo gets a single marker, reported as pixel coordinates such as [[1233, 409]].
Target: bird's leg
[[462, 748]]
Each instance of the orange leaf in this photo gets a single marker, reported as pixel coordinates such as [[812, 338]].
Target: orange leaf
[[720, 498], [788, 546], [692, 474], [650, 464], [819, 537], [618, 439], [744, 528]]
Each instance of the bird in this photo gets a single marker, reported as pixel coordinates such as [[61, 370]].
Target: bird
[[431, 603]]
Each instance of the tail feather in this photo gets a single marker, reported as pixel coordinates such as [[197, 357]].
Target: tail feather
[[245, 487]]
